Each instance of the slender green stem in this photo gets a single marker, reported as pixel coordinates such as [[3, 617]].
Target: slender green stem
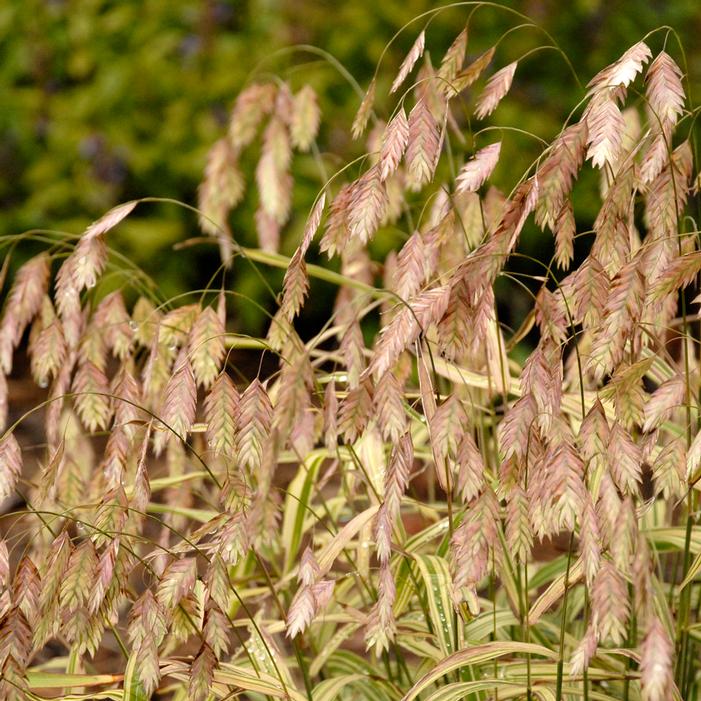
[[563, 622]]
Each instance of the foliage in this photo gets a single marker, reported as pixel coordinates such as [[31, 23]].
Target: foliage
[[418, 511]]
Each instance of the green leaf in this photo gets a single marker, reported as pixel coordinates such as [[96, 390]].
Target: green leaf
[[47, 680], [694, 569], [436, 576], [475, 656], [299, 494], [330, 689], [133, 689]]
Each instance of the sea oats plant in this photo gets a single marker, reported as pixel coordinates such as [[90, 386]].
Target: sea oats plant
[[370, 519]]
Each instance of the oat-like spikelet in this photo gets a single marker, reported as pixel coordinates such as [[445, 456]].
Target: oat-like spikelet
[[79, 271], [409, 61], [112, 317], [109, 220], [394, 143], [623, 71], [382, 531], [381, 626], [624, 460], [352, 347], [10, 465], [294, 418], [447, 427], [367, 205], [202, 674], [610, 605], [179, 403], [103, 575], [608, 507], [622, 312], [398, 472], [591, 287], [93, 345], [92, 399], [77, 583], [23, 302], [207, 349], [156, 369], [220, 410], [295, 286], [585, 652], [4, 564], [254, 421], [26, 589], [53, 574], [355, 412], [471, 73], [126, 401], [664, 92], [176, 326], [589, 540], [83, 267], [565, 232], [668, 192], [495, 90], [605, 127], [115, 457], [424, 146], [410, 321], [679, 274], [176, 583], [558, 172], [268, 229], [389, 407], [516, 425], [304, 121], [476, 171], [656, 663], [470, 467], [221, 190], [461, 328], [272, 176], [251, 106], [309, 570], [564, 483], [542, 379], [145, 321], [451, 63], [16, 637], [625, 536], [668, 470], [147, 629], [519, 535], [654, 160], [4, 407], [416, 260], [306, 605], [215, 631], [551, 316], [470, 549], [337, 231], [312, 224], [47, 347], [364, 111], [668, 396], [58, 390]]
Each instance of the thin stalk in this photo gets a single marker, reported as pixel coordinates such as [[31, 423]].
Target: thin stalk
[[563, 622]]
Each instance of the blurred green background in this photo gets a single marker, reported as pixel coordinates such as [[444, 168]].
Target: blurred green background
[[104, 101]]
